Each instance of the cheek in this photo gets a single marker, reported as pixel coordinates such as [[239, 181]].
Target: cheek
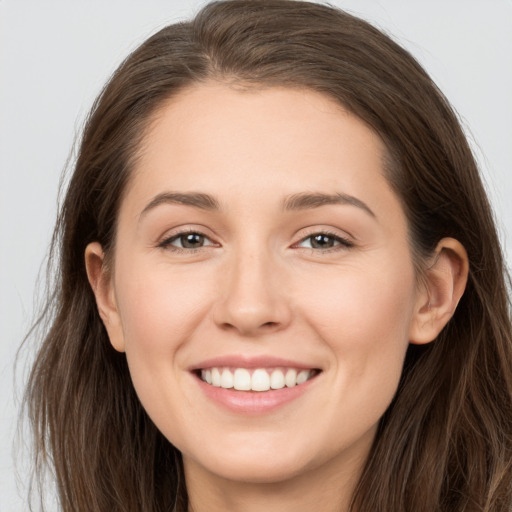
[[160, 307], [160, 311], [358, 302], [364, 317]]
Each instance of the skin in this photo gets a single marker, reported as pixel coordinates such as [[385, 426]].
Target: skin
[[259, 287]]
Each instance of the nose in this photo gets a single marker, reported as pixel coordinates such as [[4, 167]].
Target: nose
[[252, 296]]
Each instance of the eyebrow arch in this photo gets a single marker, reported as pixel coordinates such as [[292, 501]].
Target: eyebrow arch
[[195, 199], [300, 201], [305, 201]]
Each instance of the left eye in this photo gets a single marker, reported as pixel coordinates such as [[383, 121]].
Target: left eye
[[324, 241]]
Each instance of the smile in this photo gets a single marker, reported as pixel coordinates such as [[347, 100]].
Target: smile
[[256, 379]]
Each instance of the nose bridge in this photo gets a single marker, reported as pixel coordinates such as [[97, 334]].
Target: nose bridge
[[253, 298]]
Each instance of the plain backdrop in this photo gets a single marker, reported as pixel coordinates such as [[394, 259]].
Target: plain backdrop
[[56, 55]]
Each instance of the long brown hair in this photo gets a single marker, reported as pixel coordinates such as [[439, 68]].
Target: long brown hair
[[445, 443]]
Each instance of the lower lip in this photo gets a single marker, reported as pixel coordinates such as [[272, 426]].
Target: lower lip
[[254, 402]]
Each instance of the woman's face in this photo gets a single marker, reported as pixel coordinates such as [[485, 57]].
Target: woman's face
[[259, 245]]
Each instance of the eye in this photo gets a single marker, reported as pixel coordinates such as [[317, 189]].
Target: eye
[[186, 240], [325, 241]]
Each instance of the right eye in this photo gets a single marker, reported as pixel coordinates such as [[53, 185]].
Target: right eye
[[186, 241]]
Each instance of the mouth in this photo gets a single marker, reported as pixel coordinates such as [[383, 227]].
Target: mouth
[[256, 379]]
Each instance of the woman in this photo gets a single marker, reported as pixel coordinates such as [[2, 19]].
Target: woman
[[280, 283]]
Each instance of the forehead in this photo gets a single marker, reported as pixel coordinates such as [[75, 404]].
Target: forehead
[[239, 145]]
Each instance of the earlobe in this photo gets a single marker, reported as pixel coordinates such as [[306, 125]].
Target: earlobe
[[102, 286], [444, 283]]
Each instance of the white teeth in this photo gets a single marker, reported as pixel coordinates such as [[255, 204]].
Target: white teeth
[[291, 378], [302, 376], [242, 380], [226, 379], [260, 380], [216, 377], [277, 379]]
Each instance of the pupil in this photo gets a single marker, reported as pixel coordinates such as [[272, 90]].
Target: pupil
[[192, 240], [322, 241]]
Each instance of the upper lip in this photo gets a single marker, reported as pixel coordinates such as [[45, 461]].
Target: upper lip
[[239, 361]]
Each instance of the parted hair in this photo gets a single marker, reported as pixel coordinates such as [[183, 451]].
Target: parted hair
[[445, 442]]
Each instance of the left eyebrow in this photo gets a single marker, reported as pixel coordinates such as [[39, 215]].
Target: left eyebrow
[[307, 200]]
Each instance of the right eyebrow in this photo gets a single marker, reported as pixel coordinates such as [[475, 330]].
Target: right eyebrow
[[196, 199]]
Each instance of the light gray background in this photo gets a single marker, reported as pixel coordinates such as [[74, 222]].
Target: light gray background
[[56, 55]]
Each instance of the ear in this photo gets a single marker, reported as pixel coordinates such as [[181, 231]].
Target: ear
[[443, 285], [101, 282]]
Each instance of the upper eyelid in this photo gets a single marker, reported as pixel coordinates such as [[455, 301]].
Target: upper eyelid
[[344, 235], [176, 232], [166, 240]]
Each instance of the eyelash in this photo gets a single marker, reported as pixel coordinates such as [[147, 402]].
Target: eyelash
[[343, 243]]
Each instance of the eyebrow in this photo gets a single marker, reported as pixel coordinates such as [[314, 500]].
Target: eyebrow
[[308, 200], [294, 202], [195, 199]]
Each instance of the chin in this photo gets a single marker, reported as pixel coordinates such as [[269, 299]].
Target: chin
[[257, 472], [255, 463]]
